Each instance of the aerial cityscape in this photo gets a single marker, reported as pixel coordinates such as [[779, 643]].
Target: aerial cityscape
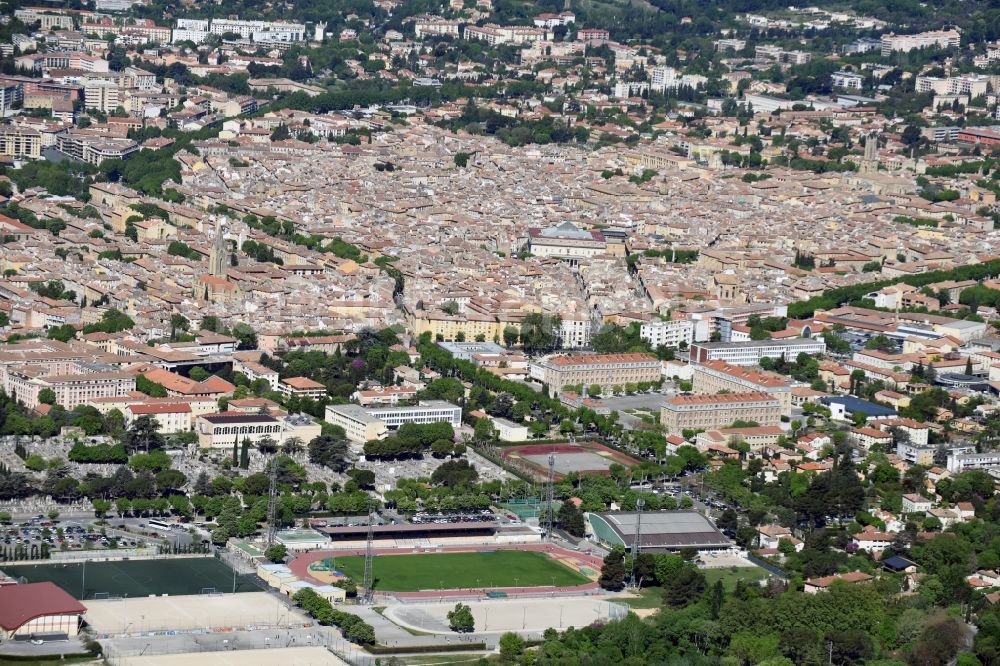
[[513, 332]]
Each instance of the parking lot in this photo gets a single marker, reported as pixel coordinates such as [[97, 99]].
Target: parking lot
[[67, 536]]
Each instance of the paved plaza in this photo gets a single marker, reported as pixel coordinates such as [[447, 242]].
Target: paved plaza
[[502, 615], [185, 613]]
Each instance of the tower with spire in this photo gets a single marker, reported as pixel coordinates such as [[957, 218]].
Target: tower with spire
[[870, 162], [217, 257]]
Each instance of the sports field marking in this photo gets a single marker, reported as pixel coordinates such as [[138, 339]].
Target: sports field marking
[[464, 570]]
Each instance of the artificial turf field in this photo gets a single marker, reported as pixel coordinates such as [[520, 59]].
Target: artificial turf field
[[473, 570], [136, 578]]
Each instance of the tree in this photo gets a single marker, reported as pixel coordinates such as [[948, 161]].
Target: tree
[[910, 135], [246, 336], [455, 473], [461, 159], [47, 396], [613, 571], [684, 588], [728, 520], [329, 451], [276, 553], [143, 435], [281, 133], [511, 647], [510, 335], [460, 619], [245, 453], [484, 431], [178, 322], [571, 519], [198, 373]]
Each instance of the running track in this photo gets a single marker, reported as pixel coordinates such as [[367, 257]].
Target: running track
[[300, 567]]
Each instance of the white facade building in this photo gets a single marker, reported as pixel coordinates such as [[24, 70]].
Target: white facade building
[[672, 333]]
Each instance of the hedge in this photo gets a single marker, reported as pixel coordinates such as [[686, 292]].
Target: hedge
[[840, 295]]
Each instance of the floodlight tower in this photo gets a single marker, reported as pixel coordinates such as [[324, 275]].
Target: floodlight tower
[[369, 580], [636, 548], [272, 504], [548, 498]]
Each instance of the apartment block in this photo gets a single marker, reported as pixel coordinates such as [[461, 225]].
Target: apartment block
[[102, 95], [574, 331], [707, 412], [71, 389], [20, 142], [848, 80], [972, 85], [605, 370], [716, 376], [171, 417], [431, 26], [47, 21], [266, 31], [674, 332], [940, 38], [95, 148]]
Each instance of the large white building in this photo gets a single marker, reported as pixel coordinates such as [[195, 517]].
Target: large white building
[[672, 333], [848, 80], [750, 353], [667, 78], [260, 31], [574, 331], [940, 38], [101, 94], [566, 241], [972, 85], [604, 370], [363, 424], [226, 429]]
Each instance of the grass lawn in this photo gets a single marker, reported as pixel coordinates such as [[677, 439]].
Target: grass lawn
[[446, 571], [649, 597], [443, 659], [652, 597], [729, 577]]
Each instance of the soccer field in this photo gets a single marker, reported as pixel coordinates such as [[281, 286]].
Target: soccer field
[[136, 578], [448, 571]]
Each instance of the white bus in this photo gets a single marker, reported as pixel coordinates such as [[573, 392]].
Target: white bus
[[160, 525]]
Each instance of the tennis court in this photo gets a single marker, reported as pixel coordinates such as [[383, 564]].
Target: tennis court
[[136, 578]]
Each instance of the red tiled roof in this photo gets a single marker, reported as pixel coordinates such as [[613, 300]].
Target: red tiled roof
[[302, 383], [595, 359], [20, 604], [162, 408]]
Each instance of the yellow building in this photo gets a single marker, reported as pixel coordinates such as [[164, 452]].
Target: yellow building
[[20, 142], [448, 327]]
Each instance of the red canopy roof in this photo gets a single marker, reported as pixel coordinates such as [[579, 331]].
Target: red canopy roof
[[22, 603]]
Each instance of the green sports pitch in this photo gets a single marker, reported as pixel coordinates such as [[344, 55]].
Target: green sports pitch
[[472, 570], [136, 578]]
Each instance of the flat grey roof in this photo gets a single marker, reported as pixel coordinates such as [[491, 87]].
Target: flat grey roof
[[666, 529]]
